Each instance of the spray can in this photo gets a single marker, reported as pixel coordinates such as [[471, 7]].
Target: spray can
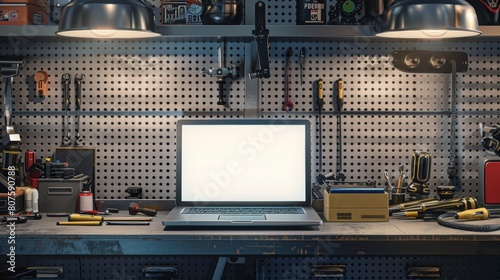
[[35, 200], [28, 200], [86, 201]]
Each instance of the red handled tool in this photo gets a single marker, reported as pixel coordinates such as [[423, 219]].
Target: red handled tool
[[134, 209]]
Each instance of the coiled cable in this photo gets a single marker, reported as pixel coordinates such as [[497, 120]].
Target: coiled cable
[[474, 214]]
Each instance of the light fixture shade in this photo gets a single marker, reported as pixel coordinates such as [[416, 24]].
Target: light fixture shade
[[430, 19], [107, 19]]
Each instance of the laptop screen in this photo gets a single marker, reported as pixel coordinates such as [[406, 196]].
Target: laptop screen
[[243, 162]]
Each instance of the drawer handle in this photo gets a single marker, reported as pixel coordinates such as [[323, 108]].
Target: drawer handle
[[60, 190], [160, 272], [48, 271], [328, 270], [431, 272]]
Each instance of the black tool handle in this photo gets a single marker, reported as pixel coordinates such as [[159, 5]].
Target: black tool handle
[[260, 19], [146, 211], [420, 167], [221, 83], [320, 96]]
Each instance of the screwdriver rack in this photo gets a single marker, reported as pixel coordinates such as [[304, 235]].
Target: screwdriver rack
[[135, 91]]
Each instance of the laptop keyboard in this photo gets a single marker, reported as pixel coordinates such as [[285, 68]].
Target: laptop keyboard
[[243, 210]]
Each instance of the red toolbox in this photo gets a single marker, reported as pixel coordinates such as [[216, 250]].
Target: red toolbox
[[489, 182]]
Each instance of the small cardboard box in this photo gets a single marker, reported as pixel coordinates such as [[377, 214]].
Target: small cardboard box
[[356, 207], [16, 202], [23, 12]]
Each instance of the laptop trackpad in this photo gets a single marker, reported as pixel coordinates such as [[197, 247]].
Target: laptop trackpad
[[242, 218]]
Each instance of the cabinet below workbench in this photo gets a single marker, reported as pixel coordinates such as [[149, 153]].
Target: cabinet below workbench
[[371, 250]]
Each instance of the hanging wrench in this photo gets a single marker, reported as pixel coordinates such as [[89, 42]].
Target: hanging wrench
[[78, 102], [288, 105], [66, 78]]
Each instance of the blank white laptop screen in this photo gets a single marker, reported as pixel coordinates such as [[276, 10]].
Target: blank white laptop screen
[[243, 162]]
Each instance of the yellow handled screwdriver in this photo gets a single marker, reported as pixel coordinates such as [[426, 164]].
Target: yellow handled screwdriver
[[416, 214], [79, 217], [406, 205], [320, 102], [447, 204], [340, 94], [340, 105]]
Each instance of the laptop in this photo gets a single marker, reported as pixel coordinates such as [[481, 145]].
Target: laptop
[[243, 172]]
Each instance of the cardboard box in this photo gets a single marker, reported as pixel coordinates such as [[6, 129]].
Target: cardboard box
[[181, 12], [356, 207], [17, 201], [356, 215], [23, 12]]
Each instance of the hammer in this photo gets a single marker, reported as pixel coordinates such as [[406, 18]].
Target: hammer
[[134, 209]]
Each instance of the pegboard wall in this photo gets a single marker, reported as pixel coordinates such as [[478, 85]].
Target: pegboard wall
[[135, 91]]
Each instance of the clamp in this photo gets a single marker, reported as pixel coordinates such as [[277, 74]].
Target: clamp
[[262, 40], [221, 73], [9, 68]]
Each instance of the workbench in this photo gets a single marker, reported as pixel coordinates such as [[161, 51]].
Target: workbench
[[398, 243]]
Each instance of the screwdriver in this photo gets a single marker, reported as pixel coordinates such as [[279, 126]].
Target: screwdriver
[[404, 206], [418, 215], [448, 204], [320, 100], [94, 212], [426, 205], [79, 217], [340, 104], [340, 94]]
